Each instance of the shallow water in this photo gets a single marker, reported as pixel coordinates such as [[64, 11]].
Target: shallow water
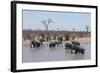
[[44, 53]]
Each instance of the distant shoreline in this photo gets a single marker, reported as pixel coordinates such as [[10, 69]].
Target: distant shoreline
[[84, 40]]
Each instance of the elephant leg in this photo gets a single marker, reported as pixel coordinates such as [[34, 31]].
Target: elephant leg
[[75, 52], [34, 45], [54, 46], [50, 45], [38, 45], [82, 52]]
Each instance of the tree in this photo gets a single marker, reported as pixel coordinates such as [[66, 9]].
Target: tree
[[46, 25], [87, 28], [67, 37], [73, 37], [73, 29]]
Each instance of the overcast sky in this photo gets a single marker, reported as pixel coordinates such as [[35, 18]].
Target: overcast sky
[[61, 20]]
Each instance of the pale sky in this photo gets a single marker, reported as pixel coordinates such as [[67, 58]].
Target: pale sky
[[61, 20]]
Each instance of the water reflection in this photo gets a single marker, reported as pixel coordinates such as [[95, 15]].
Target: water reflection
[[44, 53]]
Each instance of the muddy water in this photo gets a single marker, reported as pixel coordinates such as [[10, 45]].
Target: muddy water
[[44, 53]]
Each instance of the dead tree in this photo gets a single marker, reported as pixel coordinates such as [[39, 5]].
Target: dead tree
[[73, 36], [46, 25], [87, 28]]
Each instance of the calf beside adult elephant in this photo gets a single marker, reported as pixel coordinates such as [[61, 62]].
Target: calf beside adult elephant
[[78, 49], [75, 48]]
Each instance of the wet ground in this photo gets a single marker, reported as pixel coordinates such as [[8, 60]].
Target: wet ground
[[44, 53]]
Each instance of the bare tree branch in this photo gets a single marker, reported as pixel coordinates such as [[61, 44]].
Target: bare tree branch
[[46, 23]]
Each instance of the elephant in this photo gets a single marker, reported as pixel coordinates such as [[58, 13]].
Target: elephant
[[68, 46], [74, 48], [53, 44], [78, 49], [34, 44], [60, 39], [75, 43]]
